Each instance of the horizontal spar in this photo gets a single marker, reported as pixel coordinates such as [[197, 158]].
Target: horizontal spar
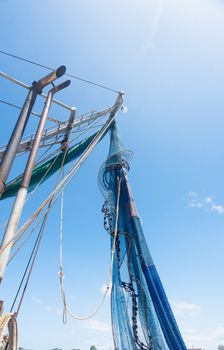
[[51, 133]]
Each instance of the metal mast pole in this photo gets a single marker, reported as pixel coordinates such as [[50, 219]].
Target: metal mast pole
[[64, 143], [22, 193], [11, 149]]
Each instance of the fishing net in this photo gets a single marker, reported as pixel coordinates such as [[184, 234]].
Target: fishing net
[[141, 315]]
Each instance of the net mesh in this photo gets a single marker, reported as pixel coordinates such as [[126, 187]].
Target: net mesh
[[141, 315]]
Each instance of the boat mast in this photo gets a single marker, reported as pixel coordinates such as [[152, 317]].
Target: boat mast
[[22, 193], [11, 149]]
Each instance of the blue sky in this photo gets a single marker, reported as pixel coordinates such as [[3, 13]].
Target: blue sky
[[168, 58]]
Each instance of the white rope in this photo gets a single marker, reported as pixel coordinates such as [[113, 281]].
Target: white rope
[[116, 226], [4, 321], [59, 150], [40, 219], [93, 124], [66, 310], [66, 180]]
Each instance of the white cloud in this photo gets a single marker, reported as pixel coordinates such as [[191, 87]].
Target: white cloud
[[36, 300], [185, 308], [208, 203], [212, 335], [97, 326], [193, 200], [213, 206], [208, 199], [218, 208], [48, 308]]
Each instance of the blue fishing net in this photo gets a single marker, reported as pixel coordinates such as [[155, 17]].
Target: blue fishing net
[[142, 318]]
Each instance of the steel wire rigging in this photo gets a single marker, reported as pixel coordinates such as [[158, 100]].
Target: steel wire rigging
[[67, 74]]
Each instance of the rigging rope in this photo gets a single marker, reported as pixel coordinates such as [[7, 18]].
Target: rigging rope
[[41, 160], [34, 252], [94, 123], [40, 235], [4, 320], [68, 75], [66, 310], [11, 339], [33, 113], [66, 180], [28, 197], [116, 225]]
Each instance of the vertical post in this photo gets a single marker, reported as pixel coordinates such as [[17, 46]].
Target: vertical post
[[16, 136], [11, 149], [13, 222], [64, 142], [13, 334], [1, 307]]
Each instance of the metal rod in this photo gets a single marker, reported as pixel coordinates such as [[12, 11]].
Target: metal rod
[[51, 77], [15, 139], [52, 132], [14, 80], [33, 152], [69, 126], [1, 307], [81, 160], [33, 113], [22, 193], [20, 83]]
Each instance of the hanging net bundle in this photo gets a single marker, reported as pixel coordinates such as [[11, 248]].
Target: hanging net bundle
[[141, 315]]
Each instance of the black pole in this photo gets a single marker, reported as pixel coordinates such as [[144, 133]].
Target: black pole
[[30, 162], [16, 136], [11, 149]]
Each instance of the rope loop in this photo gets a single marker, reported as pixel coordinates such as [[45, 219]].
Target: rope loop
[[66, 310]]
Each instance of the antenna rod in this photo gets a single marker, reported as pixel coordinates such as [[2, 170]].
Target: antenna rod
[[22, 193], [16, 136]]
